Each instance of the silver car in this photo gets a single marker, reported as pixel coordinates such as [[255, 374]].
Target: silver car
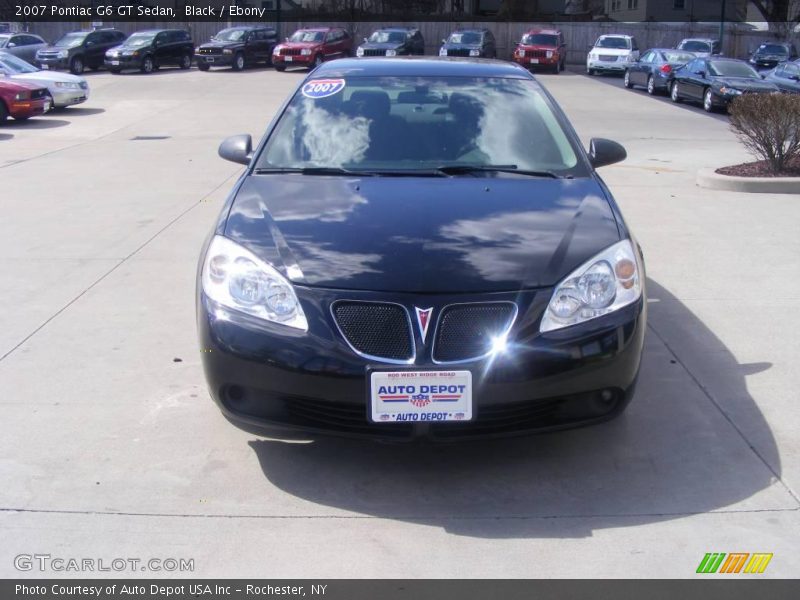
[[65, 89], [23, 45]]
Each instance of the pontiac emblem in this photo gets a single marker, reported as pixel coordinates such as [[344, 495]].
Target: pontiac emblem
[[423, 320]]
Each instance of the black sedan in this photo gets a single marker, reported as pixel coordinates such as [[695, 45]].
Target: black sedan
[[769, 55], [786, 77], [449, 267], [715, 82], [393, 41], [656, 68]]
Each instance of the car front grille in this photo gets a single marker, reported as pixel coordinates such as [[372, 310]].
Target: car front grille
[[347, 418], [290, 51], [535, 53], [467, 331], [374, 52], [210, 51], [377, 330], [458, 52], [608, 58]]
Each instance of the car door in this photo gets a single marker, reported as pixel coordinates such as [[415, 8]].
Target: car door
[[641, 69], [253, 46], [162, 48], [789, 79], [694, 82], [94, 50]]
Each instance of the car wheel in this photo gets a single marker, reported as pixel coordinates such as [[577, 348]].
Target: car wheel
[[238, 62], [202, 66], [589, 71], [627, 81], [651, 86], [674, 94], [708, 101], [148, 66], [318, 60], [3, 112], [115, 71], [76, 65], [186, 61]]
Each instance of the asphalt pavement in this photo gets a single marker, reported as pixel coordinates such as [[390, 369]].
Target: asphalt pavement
[[111, 447]]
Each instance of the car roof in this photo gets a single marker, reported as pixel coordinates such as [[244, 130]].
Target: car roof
[[668, 50], [423, 66], [397, 28], [316, 28], [547, 31], [709, 40], [622, 35]]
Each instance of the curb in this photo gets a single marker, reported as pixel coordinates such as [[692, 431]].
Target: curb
[[707, 178]]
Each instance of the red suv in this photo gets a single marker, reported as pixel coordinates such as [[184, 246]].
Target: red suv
[[22, 100], [542, 48], [311, 47]]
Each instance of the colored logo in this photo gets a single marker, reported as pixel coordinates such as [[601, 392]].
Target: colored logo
[[735, 562], [423, 320], [322, 88], [421, 400]]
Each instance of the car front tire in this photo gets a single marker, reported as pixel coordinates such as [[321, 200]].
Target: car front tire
[[148, 66], [627, 81], [674, 93], [708, 101], [76, 66], [203, 66], [651, 85], [238, 62], [280, 68], [589, 72], [186, 62]]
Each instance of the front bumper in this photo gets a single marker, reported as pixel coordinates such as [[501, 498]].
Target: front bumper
[[273, 380], [298, 60], [618, 66], [69, 96], [119, 63], [23, 109], [215, 60], [53, 63], [533, 62]]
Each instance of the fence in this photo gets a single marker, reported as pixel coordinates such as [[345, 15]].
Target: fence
[[739, 41]]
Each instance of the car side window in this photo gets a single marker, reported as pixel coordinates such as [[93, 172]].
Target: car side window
[[647, 57]]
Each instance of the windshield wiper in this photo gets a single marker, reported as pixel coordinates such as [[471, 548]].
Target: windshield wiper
[[466, 169], [314, 171]]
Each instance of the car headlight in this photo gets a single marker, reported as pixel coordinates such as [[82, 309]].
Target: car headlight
[[730, 91], [359, 51], [601, 285], [276, 50], [235, 278], [227, 51], [549, 54], [391, 53], [305, 52], [62, 54], [22, 96], [442, 51], [474, 52], [592, 56]]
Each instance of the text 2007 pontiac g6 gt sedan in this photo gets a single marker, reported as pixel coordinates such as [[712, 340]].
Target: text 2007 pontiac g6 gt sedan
[[420, 248]]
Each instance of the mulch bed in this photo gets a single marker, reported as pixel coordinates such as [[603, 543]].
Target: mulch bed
[[761, 169]]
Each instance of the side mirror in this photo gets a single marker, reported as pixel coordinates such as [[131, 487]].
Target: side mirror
[[237, 148], [604, 152], [11, 45], [444, 41], [365, 40], [89, 43]]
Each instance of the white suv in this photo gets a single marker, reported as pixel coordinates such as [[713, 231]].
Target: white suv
[[612, 53]]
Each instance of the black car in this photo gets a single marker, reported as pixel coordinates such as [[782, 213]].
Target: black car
[[786, 77], [715, 82], [237, 47], [450, 267], [79, 49], [656, 68], [470, 42], [152, 49], [393, 41], [769, 55]]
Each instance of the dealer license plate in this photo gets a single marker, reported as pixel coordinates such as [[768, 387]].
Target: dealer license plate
[[45, 66], [534, 61], [420, 396], [210, 59], [288, 58]]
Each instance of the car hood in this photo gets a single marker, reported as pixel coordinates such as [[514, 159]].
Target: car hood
[[745, 83], [300, 44], [777, 57], [536, 47], [14, 85], [381, 46], [46, 77], [611, 51], [221, 44], [450, 46], [433, 235]]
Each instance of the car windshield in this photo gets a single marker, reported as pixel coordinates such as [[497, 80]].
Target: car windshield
[[388, 37], [4, 40], [695, 46], [138, 40], [678, 57], [540, 39], [229, 35], [408, 124], [730, 68], [466, 37], [307, 36], [617, 43], [773, 49], [70, 40], [9, 62]]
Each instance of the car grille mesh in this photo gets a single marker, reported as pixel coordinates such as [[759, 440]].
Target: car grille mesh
[[467, 331], [458, 52], [290, 51], [376, 329], [374, 52], [210, 51], [608, 57], [536, 53]]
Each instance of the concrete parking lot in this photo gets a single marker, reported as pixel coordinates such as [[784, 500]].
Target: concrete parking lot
[[111, 447]]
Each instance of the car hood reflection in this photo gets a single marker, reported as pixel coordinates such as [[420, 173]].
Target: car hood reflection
[[447, 235]]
